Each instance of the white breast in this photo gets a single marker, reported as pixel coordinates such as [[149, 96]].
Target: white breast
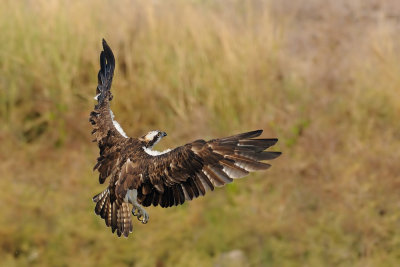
[[155, 152]]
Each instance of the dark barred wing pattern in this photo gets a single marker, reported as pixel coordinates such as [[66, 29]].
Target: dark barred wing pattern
[[191, 170], [168, 179], [106, 135], [111, 142]]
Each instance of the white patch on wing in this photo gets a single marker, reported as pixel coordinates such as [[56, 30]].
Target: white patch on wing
[[228, 171], [96, 97], [205, 184], [214, 182], [155, 152], [245, 166], [185, 193], [117, 126], [233, 173], [221, 174]]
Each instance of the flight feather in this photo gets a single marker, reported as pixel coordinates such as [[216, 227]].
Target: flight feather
[[140, 176]]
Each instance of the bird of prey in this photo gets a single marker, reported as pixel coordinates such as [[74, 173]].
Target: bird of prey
[[140, 176]]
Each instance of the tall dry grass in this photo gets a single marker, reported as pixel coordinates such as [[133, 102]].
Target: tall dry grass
[[323, 77]]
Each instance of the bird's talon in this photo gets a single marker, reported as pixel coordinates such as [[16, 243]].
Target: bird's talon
[[141, 215]]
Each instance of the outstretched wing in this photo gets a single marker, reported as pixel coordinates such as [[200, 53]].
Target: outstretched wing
[[190, 170], [106, 130]]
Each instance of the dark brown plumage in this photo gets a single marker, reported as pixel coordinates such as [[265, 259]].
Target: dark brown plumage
[[142, 177]]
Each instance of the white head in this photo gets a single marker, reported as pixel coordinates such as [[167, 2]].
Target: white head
[[152, 138]]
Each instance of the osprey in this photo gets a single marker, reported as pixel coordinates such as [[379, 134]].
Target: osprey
[[140, 176]]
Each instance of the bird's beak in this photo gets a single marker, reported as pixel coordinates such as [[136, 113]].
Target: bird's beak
[[164, 134]]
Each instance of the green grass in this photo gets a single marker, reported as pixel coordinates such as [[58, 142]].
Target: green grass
[[324, 82]]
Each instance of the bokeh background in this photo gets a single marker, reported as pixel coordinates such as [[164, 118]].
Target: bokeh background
[[322, 76]]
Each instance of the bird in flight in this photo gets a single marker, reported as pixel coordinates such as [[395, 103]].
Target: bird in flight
[[140, 176]]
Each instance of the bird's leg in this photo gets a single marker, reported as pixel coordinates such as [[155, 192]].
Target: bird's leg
[[140, 213], [137, 211]]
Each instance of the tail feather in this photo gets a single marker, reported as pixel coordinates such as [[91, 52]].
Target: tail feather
[[117, 215], [107, 213], [100, 200], [114, 219], [124, 220]]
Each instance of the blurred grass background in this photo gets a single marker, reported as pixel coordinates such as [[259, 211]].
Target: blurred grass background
[[323, 76]]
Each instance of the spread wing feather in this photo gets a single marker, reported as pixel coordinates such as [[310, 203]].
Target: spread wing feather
[[111, 141], [167, 179], [106, 134], [191, 170]]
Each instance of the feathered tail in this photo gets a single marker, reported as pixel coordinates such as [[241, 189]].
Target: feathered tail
[[117, 215]]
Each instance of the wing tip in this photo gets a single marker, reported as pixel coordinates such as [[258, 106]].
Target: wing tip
[[253, 134], [260, 131], [265, 166], [108, 52], [105, 44], [276, 153]]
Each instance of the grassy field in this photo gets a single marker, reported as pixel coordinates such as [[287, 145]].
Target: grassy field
[[323, 77]]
